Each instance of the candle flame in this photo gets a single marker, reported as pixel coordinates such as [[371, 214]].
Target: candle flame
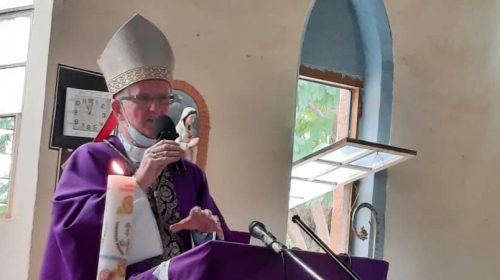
[[116, 168]]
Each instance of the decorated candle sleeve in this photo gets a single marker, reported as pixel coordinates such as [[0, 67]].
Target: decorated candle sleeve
[[116, 228]]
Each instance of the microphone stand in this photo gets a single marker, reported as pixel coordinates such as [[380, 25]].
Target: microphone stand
[[259, 231], [298, 261], [296, 219]]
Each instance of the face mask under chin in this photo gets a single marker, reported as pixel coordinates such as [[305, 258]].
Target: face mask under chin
[[139, 138]]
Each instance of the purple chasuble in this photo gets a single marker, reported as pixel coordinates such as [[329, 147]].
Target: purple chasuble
[[78, 206]]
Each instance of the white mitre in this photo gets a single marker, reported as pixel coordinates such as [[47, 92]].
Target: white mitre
[[137, 51]]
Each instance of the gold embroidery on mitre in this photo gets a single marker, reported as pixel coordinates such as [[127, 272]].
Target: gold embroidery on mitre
[[138, 74]]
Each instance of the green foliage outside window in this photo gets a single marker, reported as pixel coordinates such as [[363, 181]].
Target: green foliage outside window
[[4, 192], [315, 117], [6, 134], [6, 142]]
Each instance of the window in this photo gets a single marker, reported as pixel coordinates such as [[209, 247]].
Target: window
[[7, 127], [326, 111], [15, 25]]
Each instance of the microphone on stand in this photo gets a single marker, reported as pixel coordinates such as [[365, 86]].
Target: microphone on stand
[[259, 231], [165, 130]]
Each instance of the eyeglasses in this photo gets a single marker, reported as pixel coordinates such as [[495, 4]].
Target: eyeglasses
[[146, 100]]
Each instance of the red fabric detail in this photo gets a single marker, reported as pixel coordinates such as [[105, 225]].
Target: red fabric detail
[[108, 127]]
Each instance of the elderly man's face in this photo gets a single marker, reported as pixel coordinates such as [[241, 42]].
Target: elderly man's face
[[143, 102]]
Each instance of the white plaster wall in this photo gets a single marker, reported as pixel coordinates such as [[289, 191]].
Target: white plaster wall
[[242, 56], [442, 208], [15, 241]]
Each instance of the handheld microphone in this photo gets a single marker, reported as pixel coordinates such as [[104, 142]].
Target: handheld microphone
[[259, 231], [165, 130]]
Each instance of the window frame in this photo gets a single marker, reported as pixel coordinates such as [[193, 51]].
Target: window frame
[[341, 81], [16, 9], [340, 227], [13, 162], [13, 12]]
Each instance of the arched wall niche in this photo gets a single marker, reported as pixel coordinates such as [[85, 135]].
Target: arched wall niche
[[186, 95], [353, 37]]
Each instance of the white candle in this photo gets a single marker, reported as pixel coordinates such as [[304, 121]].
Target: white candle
[[116, 228]]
